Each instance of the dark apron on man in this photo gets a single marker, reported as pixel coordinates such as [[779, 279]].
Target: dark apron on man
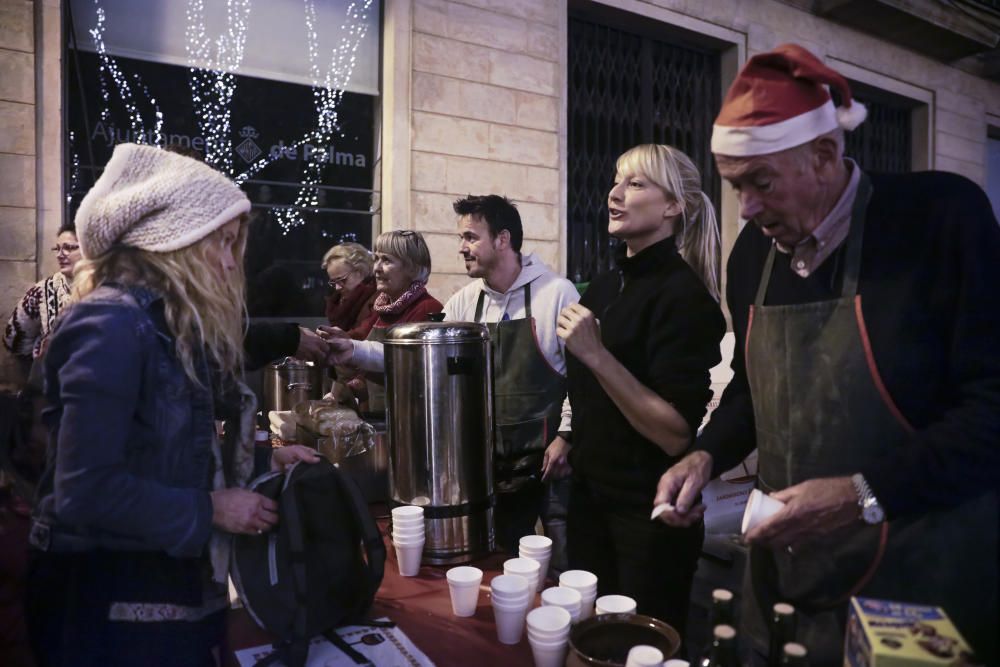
[[528, 396], [822, 410]]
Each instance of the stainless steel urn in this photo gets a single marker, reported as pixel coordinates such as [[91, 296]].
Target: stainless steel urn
[[439, 404]]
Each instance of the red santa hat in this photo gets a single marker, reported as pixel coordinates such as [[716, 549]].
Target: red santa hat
[[779, 100]]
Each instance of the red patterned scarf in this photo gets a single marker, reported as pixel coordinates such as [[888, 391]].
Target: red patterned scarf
[[383, 306]]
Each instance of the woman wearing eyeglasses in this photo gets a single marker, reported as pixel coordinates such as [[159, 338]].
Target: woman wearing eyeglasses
[[352, 288], [34, 314]]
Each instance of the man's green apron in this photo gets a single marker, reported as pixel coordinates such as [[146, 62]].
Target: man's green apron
[[822, 410], [528, 396]]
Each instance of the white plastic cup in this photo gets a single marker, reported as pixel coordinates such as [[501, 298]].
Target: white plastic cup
[[615, 604], [564, 597], [539, 548], [548, 654], [525, 567], [463, 586], [760, 506], [507, 589], [509, 621], [676, 662], [407, 512], [586, 584], [408, 532], [409, 555], [548, 623], [644, 656]]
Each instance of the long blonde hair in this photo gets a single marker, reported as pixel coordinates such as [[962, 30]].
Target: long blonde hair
[[203, 310], [674, 173]]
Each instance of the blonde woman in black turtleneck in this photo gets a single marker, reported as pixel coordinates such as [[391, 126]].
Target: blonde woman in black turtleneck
[[642, 341]]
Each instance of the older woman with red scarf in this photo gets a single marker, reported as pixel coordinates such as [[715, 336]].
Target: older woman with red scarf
[[402, 267]]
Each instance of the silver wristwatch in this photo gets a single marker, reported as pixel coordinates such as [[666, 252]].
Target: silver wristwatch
[[871, 512]]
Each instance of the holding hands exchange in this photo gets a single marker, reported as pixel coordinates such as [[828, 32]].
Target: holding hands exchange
[[581, 332], [340, 346]]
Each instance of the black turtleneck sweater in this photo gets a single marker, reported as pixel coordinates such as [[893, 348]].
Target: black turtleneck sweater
[[660, 322]]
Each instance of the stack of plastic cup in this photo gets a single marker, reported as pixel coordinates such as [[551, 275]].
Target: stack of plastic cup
[[511, 599], [615, 604], [548, 634], [585, 583], [525, 567], [567, 598], [463, 585], [408, 538], [537, 547], [644, 656]]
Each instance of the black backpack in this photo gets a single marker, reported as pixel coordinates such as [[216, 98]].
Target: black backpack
[[318, 569]]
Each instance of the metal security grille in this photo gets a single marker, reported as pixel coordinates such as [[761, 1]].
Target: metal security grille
[[627, 89], [884, 141]]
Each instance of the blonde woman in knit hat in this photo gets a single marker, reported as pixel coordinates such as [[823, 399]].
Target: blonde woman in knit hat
[[139, 499]]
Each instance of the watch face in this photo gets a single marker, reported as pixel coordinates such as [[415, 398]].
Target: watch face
[[873, 514]]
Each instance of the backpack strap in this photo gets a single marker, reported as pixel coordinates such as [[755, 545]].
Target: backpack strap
[[348, 650]]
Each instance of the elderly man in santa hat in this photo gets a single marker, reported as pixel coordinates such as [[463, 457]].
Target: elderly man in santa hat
[[867, 372]]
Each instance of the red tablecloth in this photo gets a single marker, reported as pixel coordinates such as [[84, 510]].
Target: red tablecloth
[[421, 607]]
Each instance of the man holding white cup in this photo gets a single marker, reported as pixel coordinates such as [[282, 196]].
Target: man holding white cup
[[866, 374]]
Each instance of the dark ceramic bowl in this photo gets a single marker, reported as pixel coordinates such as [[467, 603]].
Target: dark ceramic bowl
[[605, 640]]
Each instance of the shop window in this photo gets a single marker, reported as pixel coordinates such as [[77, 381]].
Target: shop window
[[291, 70], [884, 142], [628, 87]]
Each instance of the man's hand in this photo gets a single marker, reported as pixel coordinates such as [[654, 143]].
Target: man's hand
[[680, 487], [815, 508], [341, 351], [327, 333], [242, 511], [555, 462], [581, 332], [311, 347], [282, 457]]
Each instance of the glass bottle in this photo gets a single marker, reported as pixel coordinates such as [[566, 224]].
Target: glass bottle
[[723, 652], [794, 655], [782, 632]]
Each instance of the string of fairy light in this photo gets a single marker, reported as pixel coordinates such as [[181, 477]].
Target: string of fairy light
[[110, 68], [212, 65], [213, 80], [326, 99]]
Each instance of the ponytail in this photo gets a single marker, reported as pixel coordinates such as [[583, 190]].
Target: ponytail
[[698, 241]]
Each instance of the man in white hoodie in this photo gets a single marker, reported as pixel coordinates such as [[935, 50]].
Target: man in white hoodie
[[519, 298]]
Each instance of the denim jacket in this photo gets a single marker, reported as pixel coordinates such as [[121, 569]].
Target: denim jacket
[[130, 435]]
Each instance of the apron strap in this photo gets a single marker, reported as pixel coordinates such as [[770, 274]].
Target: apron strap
[[855, 236], [479, 306], [765, 278]]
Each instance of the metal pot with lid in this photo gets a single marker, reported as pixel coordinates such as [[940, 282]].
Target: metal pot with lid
[[439, 406], [290, 381]]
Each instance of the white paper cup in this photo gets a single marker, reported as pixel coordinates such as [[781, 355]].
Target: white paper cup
[[615, 604], [543, 557], [507, 585], [586, 584], [463, 586], [760, 506], [564, 597], [525, 567], [548, 623], [535, 543], [644, 656], [408, 532], [404, 512], [676, 662], [409, 556], [509, 622], [548, 654]]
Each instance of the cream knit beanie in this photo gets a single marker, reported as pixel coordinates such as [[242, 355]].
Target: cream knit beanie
[[156, 200]]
